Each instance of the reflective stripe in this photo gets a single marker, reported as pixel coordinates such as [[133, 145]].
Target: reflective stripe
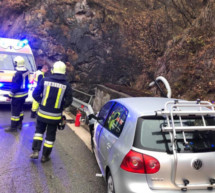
[[48, 117], [35, 106], [48, 144], [19, 96], [50, 114], [24, 75], [61, 97], [11, 94], [58, 97], [13, 118], [23, 82], [46, 95], [21, 114], [38, 135], [38, 138]]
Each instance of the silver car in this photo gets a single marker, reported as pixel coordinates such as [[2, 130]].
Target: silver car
[[156, 145]]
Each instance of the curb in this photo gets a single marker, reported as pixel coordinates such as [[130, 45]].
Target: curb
[[81, 132]]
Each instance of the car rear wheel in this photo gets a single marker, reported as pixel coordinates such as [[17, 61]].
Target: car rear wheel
[[110, 184]]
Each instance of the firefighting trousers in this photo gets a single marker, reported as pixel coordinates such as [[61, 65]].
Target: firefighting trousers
[[17, 105], [50, 130], [35, 106]]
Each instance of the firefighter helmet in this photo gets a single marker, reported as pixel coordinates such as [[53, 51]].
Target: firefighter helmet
[[59, 67], [19, 61]]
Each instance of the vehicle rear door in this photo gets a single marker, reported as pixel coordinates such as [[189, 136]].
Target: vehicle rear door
[[195, 159], [192, 163]]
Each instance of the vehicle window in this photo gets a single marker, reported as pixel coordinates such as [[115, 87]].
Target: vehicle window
[[150, 136], [6, 61], [104, 112], [116, 119]]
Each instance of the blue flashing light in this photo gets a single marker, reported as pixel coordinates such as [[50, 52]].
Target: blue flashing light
[[22, 43], [212, 145], [1, 85], [30, 85]]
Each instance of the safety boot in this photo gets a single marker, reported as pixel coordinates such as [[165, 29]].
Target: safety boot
[[45, 159], [10, 129], [35, 154], [33, 114]]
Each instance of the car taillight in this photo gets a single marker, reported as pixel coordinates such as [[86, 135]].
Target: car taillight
[[152, 165], [140, 163]]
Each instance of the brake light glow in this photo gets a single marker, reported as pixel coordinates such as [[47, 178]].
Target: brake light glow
[[140, 163]]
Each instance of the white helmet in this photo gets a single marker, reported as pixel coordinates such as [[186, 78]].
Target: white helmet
[[59, 67], [19, 61]]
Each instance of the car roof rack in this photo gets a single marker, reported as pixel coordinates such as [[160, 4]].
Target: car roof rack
[[179, 109]]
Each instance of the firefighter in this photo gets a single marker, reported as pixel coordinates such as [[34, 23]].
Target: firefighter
[[54, 94], [40, 73], [18, 94]]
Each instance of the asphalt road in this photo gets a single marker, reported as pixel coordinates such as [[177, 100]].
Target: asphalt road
[[72, 168]]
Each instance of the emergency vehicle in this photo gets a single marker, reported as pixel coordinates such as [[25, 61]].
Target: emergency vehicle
[[9, 49]]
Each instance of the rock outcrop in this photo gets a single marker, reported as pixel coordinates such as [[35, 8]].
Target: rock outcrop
[[127, 43]]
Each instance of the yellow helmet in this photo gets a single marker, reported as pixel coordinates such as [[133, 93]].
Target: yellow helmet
[[59, 67], [19, 61]]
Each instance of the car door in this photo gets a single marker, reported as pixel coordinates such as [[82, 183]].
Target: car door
[[102, 116], [111, 131]]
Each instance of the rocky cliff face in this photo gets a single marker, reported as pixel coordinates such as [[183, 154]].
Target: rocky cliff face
[[127, 43]]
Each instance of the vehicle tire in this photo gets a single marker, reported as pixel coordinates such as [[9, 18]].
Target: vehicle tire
[[91, 127], [110, 184]]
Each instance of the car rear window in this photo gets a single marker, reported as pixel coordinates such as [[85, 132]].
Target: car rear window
[[150, 136]]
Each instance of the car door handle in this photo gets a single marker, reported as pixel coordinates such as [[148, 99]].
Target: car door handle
[[108, 145]]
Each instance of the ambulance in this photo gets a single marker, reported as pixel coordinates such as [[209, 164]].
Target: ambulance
[[9, 49]]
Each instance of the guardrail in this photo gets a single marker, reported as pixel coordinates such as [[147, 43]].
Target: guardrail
[[84, 106]]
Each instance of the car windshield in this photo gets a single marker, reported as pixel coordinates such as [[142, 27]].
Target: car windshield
[[6, 61], [149, 135]]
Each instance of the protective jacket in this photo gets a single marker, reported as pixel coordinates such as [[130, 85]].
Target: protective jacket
[[18, 93], [38, 76], [20, 83], [54, 94]]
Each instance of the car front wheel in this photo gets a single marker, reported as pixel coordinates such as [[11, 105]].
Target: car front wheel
[[110, 184]]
